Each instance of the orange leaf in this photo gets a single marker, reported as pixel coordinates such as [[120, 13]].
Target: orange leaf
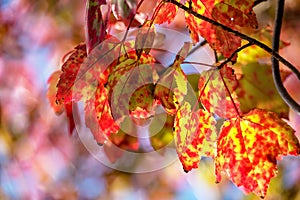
[[98, 116], [52, 90], [248, 149], [217, 94], [166, 12], [69, 72], [130, 85], [234, 14], [194, 135], [171, 88]]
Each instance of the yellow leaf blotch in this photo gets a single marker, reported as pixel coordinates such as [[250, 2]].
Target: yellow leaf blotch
[[194, 135], [248, 149]]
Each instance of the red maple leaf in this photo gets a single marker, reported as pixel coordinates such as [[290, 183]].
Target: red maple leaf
[[217, 94], [68, 76], [194, 135], [248, 149]]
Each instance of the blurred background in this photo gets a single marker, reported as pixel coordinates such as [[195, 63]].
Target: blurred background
[[39, 160]]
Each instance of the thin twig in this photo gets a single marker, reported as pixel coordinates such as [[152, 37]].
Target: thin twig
[[239, 34], [201, 44], [275, 63], [233, 54]]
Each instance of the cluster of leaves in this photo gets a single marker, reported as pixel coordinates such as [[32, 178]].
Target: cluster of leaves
[[105, 70]]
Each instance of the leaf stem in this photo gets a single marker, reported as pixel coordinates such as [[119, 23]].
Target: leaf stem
[[230, 96], [275, 63]]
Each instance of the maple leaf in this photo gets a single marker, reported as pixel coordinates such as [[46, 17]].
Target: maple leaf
[[194, 135], [141, 101], [171, 88], [216, 88], [95, 24], [234, 14], [165, 12], [130, 85], [97, 67], [257, 90], [98, 116], [69, 72], [52, 90], [248, 149], [60, 108], [254, 53]]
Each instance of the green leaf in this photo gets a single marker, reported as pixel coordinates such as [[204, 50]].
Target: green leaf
[[257, 90]]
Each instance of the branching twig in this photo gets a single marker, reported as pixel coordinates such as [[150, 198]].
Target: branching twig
[[275, 63], [239, 34], [233, 54]]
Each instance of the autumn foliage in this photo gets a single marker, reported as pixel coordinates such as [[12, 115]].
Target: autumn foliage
[[118, 79]]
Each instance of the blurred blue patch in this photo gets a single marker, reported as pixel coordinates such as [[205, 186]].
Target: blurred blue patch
[[90, 187], [4, 3]]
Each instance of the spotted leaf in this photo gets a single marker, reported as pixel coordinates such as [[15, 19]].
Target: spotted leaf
[[70, 70], [217, 94], [237, 15], [171, 88], [98, 116], [248, 149], [257, 90], [165, 12], [131, 84], [194, 135], [95, 24]]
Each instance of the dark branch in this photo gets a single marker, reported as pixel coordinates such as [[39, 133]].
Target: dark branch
[[233, 54], [201, 44], [275, 63], [239, 34], [257, 2]]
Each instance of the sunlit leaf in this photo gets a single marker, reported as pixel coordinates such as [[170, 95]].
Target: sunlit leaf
[[194, 130], [255, 53], [172, 85], [248, 149], [257, 90], [166, 12], [97, 67], [98, 116], [234, 14], [216, 88], [69, 72], [130, 86], [52, 90]]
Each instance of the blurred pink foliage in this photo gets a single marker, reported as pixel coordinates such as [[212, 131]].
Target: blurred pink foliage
[[38, 160]]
